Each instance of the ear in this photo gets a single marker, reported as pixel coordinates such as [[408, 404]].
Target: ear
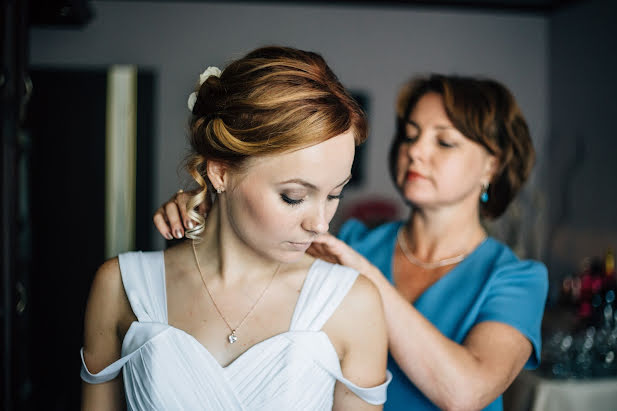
[[218, 173], [491, 166]]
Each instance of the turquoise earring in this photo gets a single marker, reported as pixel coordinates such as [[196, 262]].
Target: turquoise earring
[[484, 195]]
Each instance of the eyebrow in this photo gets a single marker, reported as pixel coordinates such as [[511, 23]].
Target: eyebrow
[[438, 127], [312, 186]]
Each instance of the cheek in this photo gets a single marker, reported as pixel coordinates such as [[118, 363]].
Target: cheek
[[255, 212], [331, 210], [402, 165], [461, 172]]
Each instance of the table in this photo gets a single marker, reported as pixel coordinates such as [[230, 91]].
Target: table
[[531, 392]]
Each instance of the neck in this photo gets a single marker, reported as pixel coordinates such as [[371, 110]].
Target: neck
[[436, 234], [222, 253]]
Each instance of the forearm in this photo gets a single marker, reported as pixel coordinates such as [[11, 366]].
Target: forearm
[[448, 373]]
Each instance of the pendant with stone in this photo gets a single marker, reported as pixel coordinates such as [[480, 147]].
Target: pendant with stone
[[232, 337]]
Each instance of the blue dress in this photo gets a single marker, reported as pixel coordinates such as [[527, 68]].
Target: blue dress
[[491, 284]]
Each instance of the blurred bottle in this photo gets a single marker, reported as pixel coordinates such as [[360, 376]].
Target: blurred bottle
[[609, 271], [587, 282]]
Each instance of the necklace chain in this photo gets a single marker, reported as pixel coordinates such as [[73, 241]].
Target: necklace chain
[[427, 266], [232, 338]]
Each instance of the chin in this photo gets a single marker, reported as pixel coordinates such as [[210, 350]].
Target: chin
[[414, 197], [291, 257], [285, 255]]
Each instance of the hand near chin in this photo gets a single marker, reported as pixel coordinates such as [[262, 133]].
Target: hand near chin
[[331, 249]]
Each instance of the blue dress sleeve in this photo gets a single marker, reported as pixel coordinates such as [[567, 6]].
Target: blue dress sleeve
[[517, 297], [351, 231]]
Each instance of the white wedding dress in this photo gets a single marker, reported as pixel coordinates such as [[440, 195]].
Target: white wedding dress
[[165, 368]]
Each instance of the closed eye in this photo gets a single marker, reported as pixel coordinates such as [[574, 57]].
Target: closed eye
[[409, 139], [291, 201], [443, 143]]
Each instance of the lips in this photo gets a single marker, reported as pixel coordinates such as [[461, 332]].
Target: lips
[[300, 245], [414, 175]]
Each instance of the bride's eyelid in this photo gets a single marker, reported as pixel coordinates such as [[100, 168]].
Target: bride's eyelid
[[340, 193], [335, 196], [294, 194], [291, 200]]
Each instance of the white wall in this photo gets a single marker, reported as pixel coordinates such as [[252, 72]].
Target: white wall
[[371, 49]]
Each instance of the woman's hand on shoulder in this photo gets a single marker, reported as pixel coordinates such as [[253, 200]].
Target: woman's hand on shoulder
[[107, 305], [361, 326], [171, 219], [329, 248]]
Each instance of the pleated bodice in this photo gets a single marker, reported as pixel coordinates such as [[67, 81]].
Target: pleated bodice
[[165, 368]]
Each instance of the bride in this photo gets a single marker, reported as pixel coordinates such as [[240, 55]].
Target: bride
[[238, 316]]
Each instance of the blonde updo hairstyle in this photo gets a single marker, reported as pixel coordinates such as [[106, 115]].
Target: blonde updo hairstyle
[[273, 100]]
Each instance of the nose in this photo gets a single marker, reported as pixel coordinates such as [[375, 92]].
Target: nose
[[417, 150], [316, 221]]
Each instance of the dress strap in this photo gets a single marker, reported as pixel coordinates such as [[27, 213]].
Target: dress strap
[[324, 354], [107, 374], [325, 286], [373, 395], [138, 334], [143, 277]]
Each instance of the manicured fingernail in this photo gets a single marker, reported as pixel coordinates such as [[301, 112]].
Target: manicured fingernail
[[191, 225], [178, 233], [168, 236]]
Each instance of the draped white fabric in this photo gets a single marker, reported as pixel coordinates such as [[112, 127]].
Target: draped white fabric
[[165, 368]]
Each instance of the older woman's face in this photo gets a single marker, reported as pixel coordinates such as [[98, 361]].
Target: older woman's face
[[282, 202], [437, 166]]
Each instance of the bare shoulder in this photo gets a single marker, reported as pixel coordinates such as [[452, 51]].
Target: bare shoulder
[[363, 297], [107, 290], [107, 280], [107, 309], [358, 332], [359, 317]]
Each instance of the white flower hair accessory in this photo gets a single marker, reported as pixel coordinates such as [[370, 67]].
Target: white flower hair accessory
[[210, 71]]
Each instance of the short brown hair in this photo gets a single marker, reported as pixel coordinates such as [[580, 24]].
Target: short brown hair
[[485, 112], [273, 100]]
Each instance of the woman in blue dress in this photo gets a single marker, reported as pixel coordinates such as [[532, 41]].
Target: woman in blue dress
[[463, 312]]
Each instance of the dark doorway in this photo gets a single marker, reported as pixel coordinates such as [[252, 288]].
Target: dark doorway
[[64, 220]]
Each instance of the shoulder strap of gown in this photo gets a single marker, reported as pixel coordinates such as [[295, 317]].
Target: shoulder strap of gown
[[328, 360], [143, 276], [325, 286], [373, 395]]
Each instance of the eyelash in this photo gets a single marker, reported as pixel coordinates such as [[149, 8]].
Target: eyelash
[[294, 202], [290, 201]]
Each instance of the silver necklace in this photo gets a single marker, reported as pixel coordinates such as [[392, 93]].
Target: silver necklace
[[427, 266], [232, 338]]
